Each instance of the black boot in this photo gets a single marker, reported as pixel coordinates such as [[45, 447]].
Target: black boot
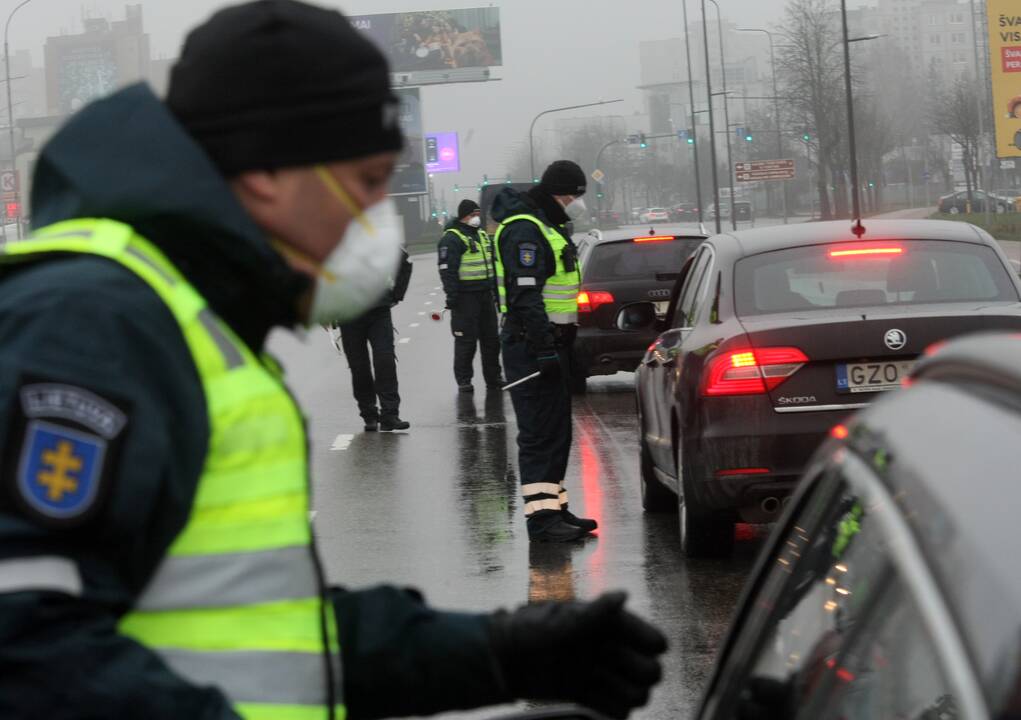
[[586, 524], [550, 527], [392, 422]]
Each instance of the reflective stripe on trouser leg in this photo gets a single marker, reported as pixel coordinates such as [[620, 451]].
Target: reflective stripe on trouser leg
[[563, 498], [540, 496]]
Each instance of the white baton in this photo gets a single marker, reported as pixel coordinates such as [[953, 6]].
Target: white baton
[[523, 380]]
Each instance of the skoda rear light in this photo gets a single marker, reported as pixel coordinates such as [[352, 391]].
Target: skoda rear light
[[653, 238], [752, 371], [592, 300], [857, 252]]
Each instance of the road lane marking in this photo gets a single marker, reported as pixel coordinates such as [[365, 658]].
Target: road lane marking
[[422, 312], [342, 442], [438, 287], [414, 324], [404, 341], [432, 294], [429, 302]]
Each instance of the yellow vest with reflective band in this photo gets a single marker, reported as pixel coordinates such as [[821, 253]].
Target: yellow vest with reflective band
[[560, 293], [237, 602], [475, 266]]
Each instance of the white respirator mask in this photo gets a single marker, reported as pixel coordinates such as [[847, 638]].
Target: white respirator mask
[[362, 266], [576, 209], [474, 221]]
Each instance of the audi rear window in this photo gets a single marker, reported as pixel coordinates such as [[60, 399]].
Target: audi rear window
[[629, 259], [850, 275]]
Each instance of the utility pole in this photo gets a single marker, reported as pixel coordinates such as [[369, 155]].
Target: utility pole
[[712, 124], [726, 115], [691, 107], [857, 228]]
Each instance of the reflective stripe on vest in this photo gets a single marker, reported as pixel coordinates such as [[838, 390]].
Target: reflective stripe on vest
[[560, 292], [475, 266], [237, 601]]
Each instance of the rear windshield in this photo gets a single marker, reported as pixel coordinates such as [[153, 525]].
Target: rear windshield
[[868, 274], [624, 260]]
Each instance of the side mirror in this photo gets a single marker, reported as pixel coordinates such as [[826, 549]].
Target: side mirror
[[566, 712], [636, 317]]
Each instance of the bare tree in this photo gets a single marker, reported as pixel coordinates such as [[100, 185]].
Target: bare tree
[[811, 73], [952, 113]]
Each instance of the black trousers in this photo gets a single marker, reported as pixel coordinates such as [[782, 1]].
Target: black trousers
[[375, 329], [473, 322], [543, 410]]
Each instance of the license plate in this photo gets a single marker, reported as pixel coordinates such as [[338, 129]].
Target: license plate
[[661, 307], [872, 377]]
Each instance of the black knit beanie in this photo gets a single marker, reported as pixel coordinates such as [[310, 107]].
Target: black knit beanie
[[466, 208], [564, 178], [280, 83]]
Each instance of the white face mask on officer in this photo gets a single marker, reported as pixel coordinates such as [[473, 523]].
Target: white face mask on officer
[[576, 209], [474, 221], [361, 267]]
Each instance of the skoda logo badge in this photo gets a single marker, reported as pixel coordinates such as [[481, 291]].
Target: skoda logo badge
[[895, 339]]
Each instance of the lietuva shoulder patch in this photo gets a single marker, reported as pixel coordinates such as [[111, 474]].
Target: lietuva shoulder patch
[[527, 254], [443, 252], [64, 441]]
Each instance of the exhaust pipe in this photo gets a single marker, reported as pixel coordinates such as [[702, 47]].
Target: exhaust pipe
[[770, 505]]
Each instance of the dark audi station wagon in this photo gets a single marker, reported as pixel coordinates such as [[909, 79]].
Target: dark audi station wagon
[[775, 335]]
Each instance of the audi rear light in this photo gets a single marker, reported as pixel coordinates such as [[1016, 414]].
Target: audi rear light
[[592, 300], [751, 372], [653, 238], [858, 252]]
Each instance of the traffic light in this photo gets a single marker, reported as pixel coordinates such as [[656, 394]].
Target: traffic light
[[12, 209], [485, 180], [806, 137], [691, 136], [508, 180], [748, 136], [642, 143], [457, 188], [599, 195]]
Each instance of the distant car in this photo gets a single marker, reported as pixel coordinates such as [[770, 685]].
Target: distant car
[[957, 202], [654, 215], [774, 335], [620, 267], [684, 212], [890, 588], [743, 211]]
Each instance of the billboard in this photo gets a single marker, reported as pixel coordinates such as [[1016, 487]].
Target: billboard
[[442, 153], [409, 176], [1004, 21], [436, 39], [84, 73]]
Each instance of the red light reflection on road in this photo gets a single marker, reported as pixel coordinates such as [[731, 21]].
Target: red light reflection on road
[[592, 491]]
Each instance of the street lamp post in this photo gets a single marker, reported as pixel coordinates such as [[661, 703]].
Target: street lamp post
[[712, 124], [599, 159], [531, 129], [857, 227], [776, 108], [691, 105], [726, 116], [10, 110]]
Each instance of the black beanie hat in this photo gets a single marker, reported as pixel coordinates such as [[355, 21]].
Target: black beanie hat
[[466, 208], [564, 178], [280, 83]]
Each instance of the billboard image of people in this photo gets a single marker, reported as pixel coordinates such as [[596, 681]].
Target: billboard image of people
[[436, 39], [1005, 66], [85, 74]]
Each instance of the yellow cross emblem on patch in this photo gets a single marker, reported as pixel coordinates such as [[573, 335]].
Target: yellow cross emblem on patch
[[58, 466]]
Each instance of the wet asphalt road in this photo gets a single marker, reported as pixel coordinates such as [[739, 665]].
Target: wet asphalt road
[[438, 507]]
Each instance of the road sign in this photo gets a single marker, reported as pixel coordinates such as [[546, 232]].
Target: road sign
[[598, 175], [9, 185], [764, 170]]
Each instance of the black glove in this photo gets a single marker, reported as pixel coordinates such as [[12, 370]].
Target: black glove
[[549, 364], [597, 654]]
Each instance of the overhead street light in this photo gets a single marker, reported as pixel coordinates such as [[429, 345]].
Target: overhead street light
[[10, 108], [531, 129]]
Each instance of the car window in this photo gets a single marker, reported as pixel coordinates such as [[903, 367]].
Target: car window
[[629, 260], [701, 295], [833, 631], [691, 285], [819, 277]]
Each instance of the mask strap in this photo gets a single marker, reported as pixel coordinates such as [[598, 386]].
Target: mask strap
[[345, 199]]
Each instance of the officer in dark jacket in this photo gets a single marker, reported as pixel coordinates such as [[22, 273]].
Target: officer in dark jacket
[[375, 329], [538, 280], [156, 559], [467, 270]]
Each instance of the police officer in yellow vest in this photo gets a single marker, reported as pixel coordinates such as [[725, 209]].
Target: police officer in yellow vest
[[156, 558], [538, 280], [466, 265]]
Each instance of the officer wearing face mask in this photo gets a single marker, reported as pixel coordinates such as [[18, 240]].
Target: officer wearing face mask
[[156, 558], [538, 280], [468, 274]]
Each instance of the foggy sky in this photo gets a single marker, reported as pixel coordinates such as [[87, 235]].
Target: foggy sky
[[555, 52]]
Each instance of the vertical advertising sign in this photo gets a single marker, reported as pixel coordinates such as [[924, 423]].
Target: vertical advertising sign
[[441, 153], [410, 176], [1004, 21]]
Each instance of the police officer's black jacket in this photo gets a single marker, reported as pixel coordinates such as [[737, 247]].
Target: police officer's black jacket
[[526, 312], [88, 323], [450, 250]]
